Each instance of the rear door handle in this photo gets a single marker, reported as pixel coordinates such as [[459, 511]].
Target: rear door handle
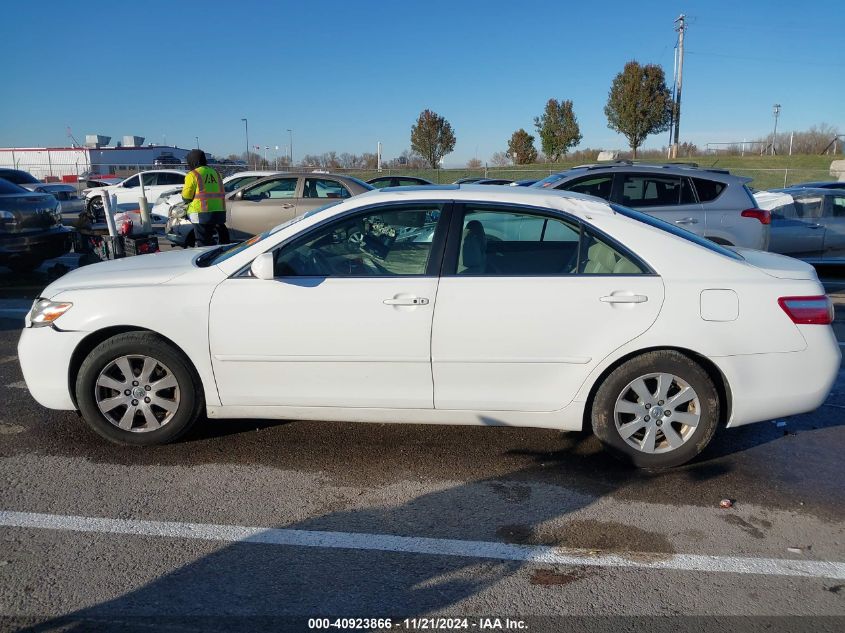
[[814, 226], [687, 221], [624, 299], [287, 206], [406, 301]]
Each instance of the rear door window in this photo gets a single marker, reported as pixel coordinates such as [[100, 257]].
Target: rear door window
[[324, 188], [655, 190]]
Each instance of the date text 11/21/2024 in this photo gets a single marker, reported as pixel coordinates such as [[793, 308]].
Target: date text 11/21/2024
[[419, 624]]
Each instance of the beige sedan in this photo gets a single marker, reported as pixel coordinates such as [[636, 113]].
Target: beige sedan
[[263, 204]]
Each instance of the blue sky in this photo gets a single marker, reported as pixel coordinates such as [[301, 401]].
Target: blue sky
[[345, 75]]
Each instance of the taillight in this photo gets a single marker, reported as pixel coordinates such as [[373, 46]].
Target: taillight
[[764, 216], [816, 310]]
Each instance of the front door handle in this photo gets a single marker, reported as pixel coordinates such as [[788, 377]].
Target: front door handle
[[624, 299], [687, 221], [814, 226], [406, 301]]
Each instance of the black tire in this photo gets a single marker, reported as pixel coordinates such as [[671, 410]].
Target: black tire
[[617, 383], [190, 240], [94, 207], [25, 264], [191, 403]]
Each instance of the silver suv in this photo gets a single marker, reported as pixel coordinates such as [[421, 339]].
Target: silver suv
[[709, 202]]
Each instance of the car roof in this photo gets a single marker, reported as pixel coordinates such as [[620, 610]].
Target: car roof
[[575, 203], [260, 172], [685, 168], [811, 190]]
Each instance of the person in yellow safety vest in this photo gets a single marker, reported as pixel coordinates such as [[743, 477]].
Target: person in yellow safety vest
[[205, 200]]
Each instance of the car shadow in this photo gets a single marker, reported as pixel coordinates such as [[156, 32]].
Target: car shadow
[[248, 586]]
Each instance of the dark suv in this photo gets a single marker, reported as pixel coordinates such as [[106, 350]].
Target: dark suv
[[30, 228], [710, 202]]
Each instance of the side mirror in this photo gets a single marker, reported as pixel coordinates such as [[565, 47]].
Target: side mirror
[[239, 195], [262, 266]]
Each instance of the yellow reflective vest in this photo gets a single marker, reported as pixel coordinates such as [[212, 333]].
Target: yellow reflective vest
[[204, 188]]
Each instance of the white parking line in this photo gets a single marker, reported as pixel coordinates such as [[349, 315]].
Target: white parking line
[[17, 385], [428, 546]]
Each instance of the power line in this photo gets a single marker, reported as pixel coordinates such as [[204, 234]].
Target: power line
[[766, 59]]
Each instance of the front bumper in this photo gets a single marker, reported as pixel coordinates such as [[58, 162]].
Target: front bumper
[[45, 355], [43, 245]]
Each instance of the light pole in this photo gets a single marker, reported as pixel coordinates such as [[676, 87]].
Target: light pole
[[776, 114], [198, 141], [291, 146], [246, 133], [266, 147]]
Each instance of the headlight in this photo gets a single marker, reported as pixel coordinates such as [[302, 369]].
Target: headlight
[[44, 311]]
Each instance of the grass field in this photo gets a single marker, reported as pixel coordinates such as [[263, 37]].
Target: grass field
[[766, 171]]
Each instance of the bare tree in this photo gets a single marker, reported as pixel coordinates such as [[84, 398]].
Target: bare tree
[[500, 159], [474, 163]]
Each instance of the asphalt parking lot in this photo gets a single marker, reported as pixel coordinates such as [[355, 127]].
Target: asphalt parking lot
[[245, 523]]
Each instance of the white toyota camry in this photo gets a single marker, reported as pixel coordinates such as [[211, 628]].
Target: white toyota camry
[[453, 305]]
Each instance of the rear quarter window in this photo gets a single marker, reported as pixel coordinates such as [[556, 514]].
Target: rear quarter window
[[708, 190]]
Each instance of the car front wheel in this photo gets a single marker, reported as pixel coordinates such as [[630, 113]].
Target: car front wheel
[[657, 410], [136, 388]]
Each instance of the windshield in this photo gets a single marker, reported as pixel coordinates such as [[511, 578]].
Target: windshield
[[7, 187], [222, 253], [677, 231], [361, 183], [548, 181]]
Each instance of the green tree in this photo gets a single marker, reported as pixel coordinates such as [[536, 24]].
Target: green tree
[[432, 137], [558, 129], [521, 148], [639, 103]]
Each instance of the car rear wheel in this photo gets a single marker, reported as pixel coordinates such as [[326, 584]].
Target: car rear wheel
[[657, 410], [136, 388]]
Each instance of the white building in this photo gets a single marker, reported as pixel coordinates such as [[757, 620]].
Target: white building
[[67, 163]]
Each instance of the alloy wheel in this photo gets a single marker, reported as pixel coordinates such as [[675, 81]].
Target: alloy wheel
[[657, 413], [137, 393]]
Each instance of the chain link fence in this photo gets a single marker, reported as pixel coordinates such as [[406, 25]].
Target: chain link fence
[[57, 172]]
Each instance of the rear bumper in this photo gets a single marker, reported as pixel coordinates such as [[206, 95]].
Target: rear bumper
[[45, 355], [770, 386], [44, 245]]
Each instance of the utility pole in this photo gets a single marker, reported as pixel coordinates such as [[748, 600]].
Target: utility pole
[[246, 133], [291, 147], [378, 157], [681, 27], [776, 114]]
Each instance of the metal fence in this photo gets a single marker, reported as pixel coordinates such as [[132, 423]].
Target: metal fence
[[761, 178]]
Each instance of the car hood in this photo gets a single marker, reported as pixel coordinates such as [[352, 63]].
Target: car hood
[[140, 270], [779, 266]]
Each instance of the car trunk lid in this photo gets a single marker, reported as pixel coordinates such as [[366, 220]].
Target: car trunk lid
[[34, 212], [779, 266]]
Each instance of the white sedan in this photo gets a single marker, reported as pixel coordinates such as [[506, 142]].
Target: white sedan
[[449, 304]]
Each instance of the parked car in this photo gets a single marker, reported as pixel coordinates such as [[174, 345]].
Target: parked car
[[94, 182], [31, 228], [19, 177], [493, 181], [709, 202], [807, 223], [830, 184], [528, 307], [165, 159], [525, 182], [267, 202], [398, 181], [70, 203], [156, 182], [243, 178]]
